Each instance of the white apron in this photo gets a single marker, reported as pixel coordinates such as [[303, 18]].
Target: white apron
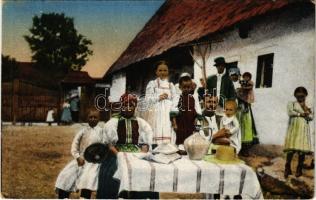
[[159, 111]]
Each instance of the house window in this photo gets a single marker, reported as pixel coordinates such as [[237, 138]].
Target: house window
[[264, 71]]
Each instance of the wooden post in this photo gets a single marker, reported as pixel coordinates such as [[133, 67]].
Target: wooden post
[[82, 103], [60, 102], [15, 100]]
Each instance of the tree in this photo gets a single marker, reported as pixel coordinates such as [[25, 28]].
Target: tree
[[9, 68], [56, 45]]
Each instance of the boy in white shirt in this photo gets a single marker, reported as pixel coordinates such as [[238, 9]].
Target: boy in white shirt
[[80, 174]]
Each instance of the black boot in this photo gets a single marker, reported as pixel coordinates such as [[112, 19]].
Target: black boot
[[299, 169], [287, 170], [62, 194], [85, 193]]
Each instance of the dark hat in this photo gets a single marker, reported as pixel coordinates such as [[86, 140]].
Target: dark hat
[[96, 152], [219, 61]]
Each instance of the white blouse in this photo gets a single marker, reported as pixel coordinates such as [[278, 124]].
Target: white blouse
[[157, 87], [144, 130], [84, 138]]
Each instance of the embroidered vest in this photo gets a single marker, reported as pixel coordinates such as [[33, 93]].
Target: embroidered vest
[[127, 131]]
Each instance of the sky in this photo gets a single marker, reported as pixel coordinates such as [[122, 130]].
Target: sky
[[110, 25]]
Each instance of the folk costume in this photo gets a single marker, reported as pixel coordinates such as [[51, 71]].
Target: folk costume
[[73, 177], [121, 132], [66, 114], [160, 119], [134, 130], [186, 112], [245, 115], [298, 137]]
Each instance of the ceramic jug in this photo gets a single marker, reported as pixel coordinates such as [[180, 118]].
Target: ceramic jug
[[196, 146]]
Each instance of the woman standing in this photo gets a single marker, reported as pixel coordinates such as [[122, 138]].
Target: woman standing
[[66, 114], [160, 96], [245, 95], [298, 138]]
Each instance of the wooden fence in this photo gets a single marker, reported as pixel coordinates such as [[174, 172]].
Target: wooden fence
[[23, 101]]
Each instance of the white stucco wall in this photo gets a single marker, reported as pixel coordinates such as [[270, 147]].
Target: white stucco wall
[[118, 86], [292, 41]]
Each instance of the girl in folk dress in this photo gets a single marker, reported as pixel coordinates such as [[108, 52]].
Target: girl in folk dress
[[80, 174], [161, 96], [298, 138]]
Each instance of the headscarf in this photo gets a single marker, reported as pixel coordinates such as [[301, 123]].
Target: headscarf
[[128, 99]]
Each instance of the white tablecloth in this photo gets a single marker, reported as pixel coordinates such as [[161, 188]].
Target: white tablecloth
[[187, 176]]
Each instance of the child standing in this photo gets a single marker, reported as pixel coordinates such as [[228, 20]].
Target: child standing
[[186, 111], [160, 95], [298, 139], [230, 123], [50, 116], [80, 174]]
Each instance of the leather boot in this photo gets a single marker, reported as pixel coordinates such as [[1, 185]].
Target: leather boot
[[299, 169], [287, 170]]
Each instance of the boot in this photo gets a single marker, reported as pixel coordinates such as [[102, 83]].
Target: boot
[[299, 169], [62, 194], [287, 170]]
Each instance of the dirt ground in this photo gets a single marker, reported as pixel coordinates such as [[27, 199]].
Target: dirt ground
[[32, 157]]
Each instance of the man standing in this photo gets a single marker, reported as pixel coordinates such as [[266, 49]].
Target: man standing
[[220, 84]]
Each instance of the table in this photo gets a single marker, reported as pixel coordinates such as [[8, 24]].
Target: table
[[187, 176]]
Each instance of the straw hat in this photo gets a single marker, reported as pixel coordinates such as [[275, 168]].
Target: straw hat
[[224, 155]]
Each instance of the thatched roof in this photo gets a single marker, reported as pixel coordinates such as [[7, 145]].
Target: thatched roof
[[78, 78], [181, 21]]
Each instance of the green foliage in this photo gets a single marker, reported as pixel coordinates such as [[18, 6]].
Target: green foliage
[[56, 45], [9, 68]]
